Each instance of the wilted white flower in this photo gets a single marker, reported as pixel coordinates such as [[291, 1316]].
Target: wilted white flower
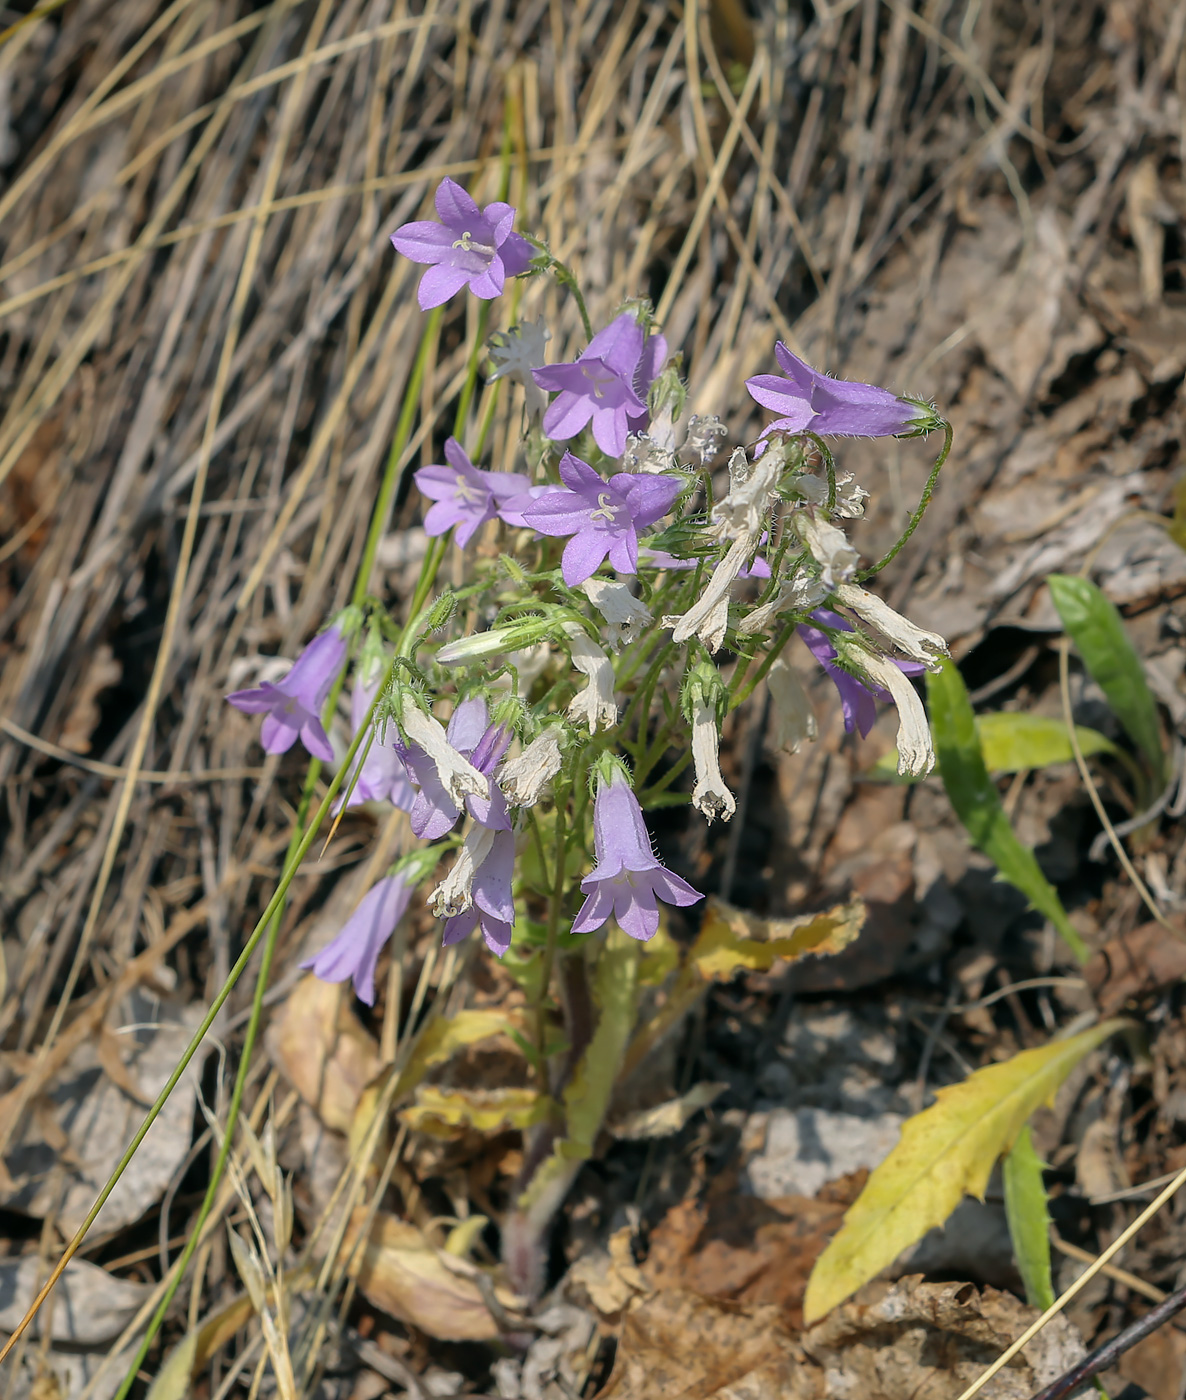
[[793, 719], [916, 752], [743, 510], [800, 593], [710, 796], [516, 353], [455, 893], [457, 774], [829, 547], [623, 612], [595, 705], [645, 453], [916, 642], [524, 778], [708, 617], [850, 498], [706, 432]]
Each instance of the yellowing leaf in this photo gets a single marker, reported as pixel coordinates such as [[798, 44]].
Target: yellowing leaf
[[731, 939], [441, 1039], [945, 1152], [446, 1113], [1012, 742]]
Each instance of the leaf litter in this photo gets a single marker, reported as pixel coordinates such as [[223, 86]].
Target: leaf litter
[[990, 211]]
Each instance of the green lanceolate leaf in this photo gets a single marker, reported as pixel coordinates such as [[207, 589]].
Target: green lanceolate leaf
[[1015, 743], [1029, 1221], [1097, 630], [978, 804], [944, 1152]]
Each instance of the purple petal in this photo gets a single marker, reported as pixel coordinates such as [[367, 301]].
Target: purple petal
[[595, 910], [672, 890], [619, 345], [559, 513], [609, 430], [623, 552], [492, 880], [566, 415], [455, 207], [649, 497], [355, 951], [583, 555], [440, 283], [423, 241], [253, 702], [441, 517], [467, 725], [777, 395], [278, 733], [654, 355], [316, 741], [490, 283], [516, 254], [637, 912], [437, 483]]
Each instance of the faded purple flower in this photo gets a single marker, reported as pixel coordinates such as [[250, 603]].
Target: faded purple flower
[[383, 776], [292, 707], [470, 247], [607, 384], [355, 951], [830, 407], [627, 879], [463, 495], [603, 517], [857, 698], [493, 908], [434, 812]]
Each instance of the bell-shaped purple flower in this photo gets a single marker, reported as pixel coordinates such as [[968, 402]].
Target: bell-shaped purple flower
[[627, 880], [383, 776], [464, 496], [493, 908], [434, 813], [607, 385], [292, 707], [603, 517], [857, 698], [470, 247], [807, 399], [355, 951]]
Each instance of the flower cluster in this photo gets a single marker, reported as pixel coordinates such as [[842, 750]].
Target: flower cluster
[[623, 591]]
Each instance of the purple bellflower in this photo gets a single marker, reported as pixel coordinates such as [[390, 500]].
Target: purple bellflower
[[603, 517], [493, 909], [355, 951], [807, 399], [470, 247], [606, 384], [383, 776], [292, 706], [857, 698], [463, 495], [627, 879], [434, 812]]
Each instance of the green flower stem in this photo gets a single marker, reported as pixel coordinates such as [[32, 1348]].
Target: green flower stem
[[555, 905], [924, 501], [471, 373], [740, 692]]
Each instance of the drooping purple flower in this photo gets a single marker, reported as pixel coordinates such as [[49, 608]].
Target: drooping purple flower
[[493, 907], [470, 247], [355, 951], [292, 706], [606, 384], [857, 698], [463, 495], [830, 407], [627, 879], [603, 517], [383, 776], [434, 812]]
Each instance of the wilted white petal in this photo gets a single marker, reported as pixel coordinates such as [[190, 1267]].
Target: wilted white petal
[[710, 796], [624, 613], [742, 513], [792, 718], [799, 594], [916, 752], [708, 617], [917, 643], [706, 432], [645, 454], [595, 705], [457, 774], [524, 778], [455, 893], [829, 548]]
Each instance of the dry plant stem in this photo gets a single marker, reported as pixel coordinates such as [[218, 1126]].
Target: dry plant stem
[[1093, 792], [1080, 1283], [1103, 1357]]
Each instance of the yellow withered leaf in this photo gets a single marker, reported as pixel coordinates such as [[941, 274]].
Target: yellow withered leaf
[[731, 939], [944, 1152], [447, 1113]]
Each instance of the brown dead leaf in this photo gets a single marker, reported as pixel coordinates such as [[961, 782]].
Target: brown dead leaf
[[1157, 1364], [324, 1050], [400, 1272], [1142, 962], [101, 673], [681, 1344], [611, 1278]]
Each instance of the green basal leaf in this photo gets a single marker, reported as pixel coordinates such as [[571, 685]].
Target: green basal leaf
[[1097, 630], [1029, 1220], [977, 803]]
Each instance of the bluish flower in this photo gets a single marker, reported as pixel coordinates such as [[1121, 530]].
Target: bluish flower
[[493, 908], [807, 399], [470, 247], [607, 385], [383, 776], [857, 700], [603, 517], [627, 880], [434, 812], [355, 951], [292, 707], [464, 496]]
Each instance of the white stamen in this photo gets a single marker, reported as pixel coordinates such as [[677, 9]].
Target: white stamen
[[458, 776], [710, 796], [606, 510], [917, 643]]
